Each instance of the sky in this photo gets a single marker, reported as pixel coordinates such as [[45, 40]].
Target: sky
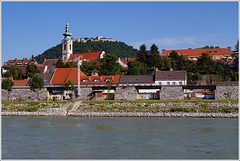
[[30, 28]]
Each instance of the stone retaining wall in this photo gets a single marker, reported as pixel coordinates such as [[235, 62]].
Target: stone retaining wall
[[24, 94], [86, 93], [221, 92], [171, 92], [126, 93]]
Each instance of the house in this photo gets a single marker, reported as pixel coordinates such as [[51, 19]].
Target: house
[[51, 65], [96, 86], [21, 63], [86, 57], [143, 85], [194, 54], [124, 61], [171, 78]]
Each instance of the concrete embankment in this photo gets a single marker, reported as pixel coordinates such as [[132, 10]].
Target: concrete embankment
[[88, 110]]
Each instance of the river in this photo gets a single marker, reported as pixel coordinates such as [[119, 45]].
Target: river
[[25, 137]]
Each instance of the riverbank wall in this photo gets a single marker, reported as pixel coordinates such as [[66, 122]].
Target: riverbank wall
[[162, 110]]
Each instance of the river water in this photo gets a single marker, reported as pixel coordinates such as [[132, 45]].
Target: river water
[[26, 137]]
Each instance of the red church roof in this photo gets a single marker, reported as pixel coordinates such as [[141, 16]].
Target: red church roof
[[63, 75], [86, 56]]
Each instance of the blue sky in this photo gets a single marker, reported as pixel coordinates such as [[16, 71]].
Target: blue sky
[[30, 28]]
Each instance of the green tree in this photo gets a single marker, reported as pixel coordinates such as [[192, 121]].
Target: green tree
[[134, 68], [166, 63], [109, 87], [36, 84], [110, 66], [60, 63], [7, 85], [14, 71], [142, 55], [70, 65], [154, 59], [69, 85], [88, 67], [205, 64]]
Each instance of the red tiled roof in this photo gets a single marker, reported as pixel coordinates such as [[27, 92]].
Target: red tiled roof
[[41, 68], [87, 56], [50, 61], [63, 75], [126, 60], [20, 82], [115, 79], [198, 52]]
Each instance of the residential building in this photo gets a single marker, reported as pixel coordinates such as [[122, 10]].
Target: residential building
[[124, 61], [163, 78], [194, 54]]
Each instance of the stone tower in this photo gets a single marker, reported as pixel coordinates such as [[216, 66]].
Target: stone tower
[[67, 44]]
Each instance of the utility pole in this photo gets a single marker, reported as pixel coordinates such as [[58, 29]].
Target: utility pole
[[79, 90]]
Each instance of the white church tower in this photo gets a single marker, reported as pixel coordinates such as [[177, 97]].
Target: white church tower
[[67, 44]]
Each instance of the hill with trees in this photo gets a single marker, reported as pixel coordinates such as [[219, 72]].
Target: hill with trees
[[119, 49]]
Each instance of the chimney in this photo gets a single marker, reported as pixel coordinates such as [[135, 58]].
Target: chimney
[[45, 59], [189, 48], [163, 50], [23, 59], [15, 59], [229, 48]]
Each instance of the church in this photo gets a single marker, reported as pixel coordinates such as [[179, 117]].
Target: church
[[67, 50]]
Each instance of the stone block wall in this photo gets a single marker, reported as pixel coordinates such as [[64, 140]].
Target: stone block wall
[[126, 93], [24, 94], [86, 93], [221, 92], [171, 92]]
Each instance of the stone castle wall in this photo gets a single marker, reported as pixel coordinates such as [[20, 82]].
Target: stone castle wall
[[86, 93]]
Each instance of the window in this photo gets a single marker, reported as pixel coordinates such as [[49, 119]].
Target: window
[[85, 80], [108, 79], [168, 83], [220, 57], [97, 80], [180, 83], [214, 57], [160, 83], [174, 83]]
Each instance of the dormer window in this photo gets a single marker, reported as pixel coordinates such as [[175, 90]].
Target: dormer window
[[85, 80], [77, 57], [109, 79], [97, 80]]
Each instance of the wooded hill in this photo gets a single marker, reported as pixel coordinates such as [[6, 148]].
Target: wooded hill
[[119, 49]]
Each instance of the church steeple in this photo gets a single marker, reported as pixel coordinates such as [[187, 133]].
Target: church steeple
[[67, 44], [67, 34]]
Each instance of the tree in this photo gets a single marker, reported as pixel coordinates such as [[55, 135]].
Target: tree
[[205, 64], [134, 68], [70, 65], [32, 67], [142, 55], [110, 66], [166, 63], [154, 59], [69, 85], [88, 67], [109, 87], [59, 63], [36, 84], [7, 85], [14, 71]]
